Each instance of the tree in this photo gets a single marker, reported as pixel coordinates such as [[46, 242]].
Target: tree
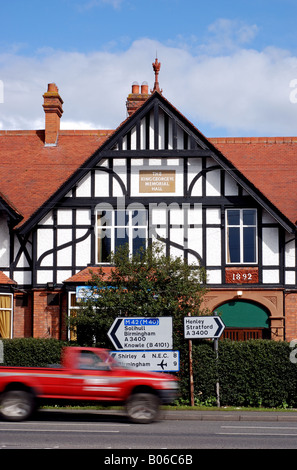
[[148, 284]]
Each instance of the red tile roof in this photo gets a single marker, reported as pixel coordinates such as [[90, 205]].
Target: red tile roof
[[5, 280], [86, 274], [270, 163], [30, 172]]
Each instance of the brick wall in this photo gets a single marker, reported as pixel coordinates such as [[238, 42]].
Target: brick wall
[[22, 316], [291, 316], [47, 314]]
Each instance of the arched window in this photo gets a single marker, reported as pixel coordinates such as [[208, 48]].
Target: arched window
[[244, 320]]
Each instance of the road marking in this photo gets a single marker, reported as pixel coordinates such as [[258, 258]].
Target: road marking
[[62, 430], [255, 434], [260, 427], [68, 424]]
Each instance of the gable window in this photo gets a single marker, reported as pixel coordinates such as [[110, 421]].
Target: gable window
[[119, 227], [241, 236]]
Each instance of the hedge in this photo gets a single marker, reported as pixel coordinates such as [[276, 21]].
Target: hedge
[[31, 352], [250, 373]]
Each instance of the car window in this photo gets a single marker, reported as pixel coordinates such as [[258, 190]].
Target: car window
[[90, 361]]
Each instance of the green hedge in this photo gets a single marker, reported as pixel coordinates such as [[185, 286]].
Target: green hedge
[[31, 352], [251, 373]]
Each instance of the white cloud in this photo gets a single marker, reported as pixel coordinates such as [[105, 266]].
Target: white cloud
[[226, 34], [237, 91]]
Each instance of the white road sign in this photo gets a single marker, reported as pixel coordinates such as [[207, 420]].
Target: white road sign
[[203, 327], [156, 361], [141, 333]]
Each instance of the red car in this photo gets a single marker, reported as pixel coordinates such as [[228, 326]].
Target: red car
[[85, 374]]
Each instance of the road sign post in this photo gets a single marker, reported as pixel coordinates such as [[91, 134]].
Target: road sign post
[[204, 327]]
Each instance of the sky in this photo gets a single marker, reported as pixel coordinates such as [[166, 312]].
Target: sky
[[229, 66]]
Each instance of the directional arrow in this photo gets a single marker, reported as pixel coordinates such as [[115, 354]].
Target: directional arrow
[[221, 327], [112, 333]]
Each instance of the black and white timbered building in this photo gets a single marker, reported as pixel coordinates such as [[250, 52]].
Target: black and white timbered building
[[69, 198]]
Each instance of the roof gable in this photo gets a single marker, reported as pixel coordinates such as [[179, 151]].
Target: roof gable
[[38, 177]]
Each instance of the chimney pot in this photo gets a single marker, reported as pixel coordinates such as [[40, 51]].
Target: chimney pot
[[135, 88], [144, 88], [52, 87]]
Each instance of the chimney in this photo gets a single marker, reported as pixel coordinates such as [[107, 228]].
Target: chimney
[[136, 99], [52, 106]]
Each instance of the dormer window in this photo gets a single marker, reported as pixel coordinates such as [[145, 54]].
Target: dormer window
[[241, 236]]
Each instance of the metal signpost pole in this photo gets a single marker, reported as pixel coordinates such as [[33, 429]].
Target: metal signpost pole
[[191, 374], [216, 348]]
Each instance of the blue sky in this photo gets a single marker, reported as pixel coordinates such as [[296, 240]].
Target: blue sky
[[228, 66]]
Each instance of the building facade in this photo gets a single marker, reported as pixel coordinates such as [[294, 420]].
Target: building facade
[[69, 198]]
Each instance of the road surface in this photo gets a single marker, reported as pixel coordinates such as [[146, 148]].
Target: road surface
[[111, 432]]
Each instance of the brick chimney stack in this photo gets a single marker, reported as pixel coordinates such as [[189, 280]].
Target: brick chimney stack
[[136, 98], [52, 106]]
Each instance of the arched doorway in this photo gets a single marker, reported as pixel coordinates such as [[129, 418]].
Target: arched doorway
[[244, 320]]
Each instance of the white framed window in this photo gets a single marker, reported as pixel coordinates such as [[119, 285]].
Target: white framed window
[[115, 228], [241, 236], [6, 315]]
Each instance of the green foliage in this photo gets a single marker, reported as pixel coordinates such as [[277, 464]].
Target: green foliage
[[31, 352], [257, 373], [251, 373], [150, 284]]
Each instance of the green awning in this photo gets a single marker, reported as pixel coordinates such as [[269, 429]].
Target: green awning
[[243, 314]]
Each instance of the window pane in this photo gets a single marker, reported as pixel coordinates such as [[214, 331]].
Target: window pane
[[249, 217], [249, 244], [233, 217], [121, 218], [104, 245], [121, 237], [139, 217], [104, 218], [234, 244], [139, 239]]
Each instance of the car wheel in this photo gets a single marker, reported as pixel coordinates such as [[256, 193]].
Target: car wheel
[[16, 405], [143, 408]]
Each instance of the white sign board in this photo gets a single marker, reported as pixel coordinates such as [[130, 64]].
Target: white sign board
[[156, 361], [141, 333], [203, 327]]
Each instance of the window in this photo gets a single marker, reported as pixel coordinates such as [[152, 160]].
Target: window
[[90, 361], [241, 236], [119, 227], [5, 315]]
